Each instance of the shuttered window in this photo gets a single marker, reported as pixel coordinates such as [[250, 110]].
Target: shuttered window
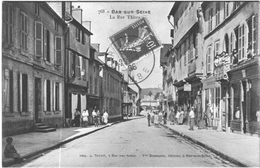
[[77, 68], [84, 69], [38, 39], [252, 23], [209, 59], [47, 55], [24, 31], [8, 20], [58, 50]]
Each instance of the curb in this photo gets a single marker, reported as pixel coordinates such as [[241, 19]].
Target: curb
[[224, 156], [11, 161]]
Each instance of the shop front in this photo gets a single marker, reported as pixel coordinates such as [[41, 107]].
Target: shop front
[[245, 97], [212, 95]]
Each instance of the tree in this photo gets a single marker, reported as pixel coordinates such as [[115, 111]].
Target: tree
[[156, 95]]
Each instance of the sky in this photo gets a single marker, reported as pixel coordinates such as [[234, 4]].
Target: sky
[[108, 18]]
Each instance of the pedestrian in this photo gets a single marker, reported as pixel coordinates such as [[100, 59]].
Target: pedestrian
[[156, 118], [171, 117], [105, 117], [84, 116], [11, 152], [77, 116], [98, 116], [94, 114], [177, 116], [181, 116], [148, 118], [209, 116], [237, 114], [192, 118], [152, 117], [160, 117], [165, 117]]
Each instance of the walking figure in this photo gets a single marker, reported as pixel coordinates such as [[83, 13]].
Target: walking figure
[[148, 118], [192, 118]]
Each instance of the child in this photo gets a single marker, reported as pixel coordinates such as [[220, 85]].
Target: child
[[10, 151]]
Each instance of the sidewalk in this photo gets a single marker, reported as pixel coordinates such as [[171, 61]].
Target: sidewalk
[[34, 143], [241, 149]]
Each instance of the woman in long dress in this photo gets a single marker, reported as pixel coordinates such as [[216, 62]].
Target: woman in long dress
[[160, 117], [156, 119], [84, 116], [181, 116]]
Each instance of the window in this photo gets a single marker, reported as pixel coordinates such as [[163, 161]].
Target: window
[[210, 19], [105, 75], [91, 84], [57, 96], [23, 92], [83, 38], [96, 86], [24, 31], [58, 50], [84, 69], [8, 20], [38, 39], [209, 60], [196, 45], [236, 4], [78, 34], [216, 48], [36, 9], [217, 13], [232, 42], [8, 91], [241, 42], [252, 35], [226, 9], [226, 43], [47, 54], [47, 95], [77, 67], [56, 26], [191, 46], [187, 51]]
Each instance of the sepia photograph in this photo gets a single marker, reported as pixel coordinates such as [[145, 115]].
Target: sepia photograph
[[130, 83]]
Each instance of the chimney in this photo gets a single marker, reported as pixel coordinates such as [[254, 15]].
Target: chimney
[[77, 14], [87, 25]]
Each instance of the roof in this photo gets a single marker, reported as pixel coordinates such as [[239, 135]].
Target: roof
[[174, 8], [163, 52]]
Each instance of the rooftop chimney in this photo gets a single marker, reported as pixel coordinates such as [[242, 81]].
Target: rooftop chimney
[[77, 14]]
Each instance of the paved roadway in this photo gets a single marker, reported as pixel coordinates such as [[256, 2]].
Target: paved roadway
[[129, 144]]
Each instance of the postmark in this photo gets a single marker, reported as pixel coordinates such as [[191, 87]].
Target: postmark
[[135, 46]]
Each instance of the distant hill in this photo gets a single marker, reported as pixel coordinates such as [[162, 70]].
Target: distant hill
[[145, 91]]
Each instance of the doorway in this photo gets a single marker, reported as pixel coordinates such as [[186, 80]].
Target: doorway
[[37, 100]]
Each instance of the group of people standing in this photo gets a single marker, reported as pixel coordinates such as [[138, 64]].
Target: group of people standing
[[156, 117], [177, 118], [82, 119]]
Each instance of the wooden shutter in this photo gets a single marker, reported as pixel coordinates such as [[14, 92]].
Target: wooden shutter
[[45, 95], [38, 39], [77, 68], [58, 50], [256, 46], [54, 96], [84, 68]]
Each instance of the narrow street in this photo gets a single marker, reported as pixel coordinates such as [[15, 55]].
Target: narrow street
[[129, 144]]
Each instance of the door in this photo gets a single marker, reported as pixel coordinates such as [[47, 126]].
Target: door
[[37, 96]]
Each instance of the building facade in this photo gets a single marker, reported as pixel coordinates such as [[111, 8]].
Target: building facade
[[232, 64], [187, 58], [33, 70]]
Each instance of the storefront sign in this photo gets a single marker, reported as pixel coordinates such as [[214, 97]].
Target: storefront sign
[[187, 87], [221, 72], [210, 83]]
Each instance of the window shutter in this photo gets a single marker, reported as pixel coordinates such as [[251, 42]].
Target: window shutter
[[45, 95], [38, 39], [84, 68], [21, 91], [71, 64], [60, 97], [54, 96], [256, 47], [77, 66], [51, 95], [58, 50]]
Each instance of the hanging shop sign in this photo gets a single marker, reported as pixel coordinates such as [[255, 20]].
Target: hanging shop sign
[[187, 87]]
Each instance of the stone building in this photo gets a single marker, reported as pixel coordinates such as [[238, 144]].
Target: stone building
[[231, 51], [187, 58], [32, 65]]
